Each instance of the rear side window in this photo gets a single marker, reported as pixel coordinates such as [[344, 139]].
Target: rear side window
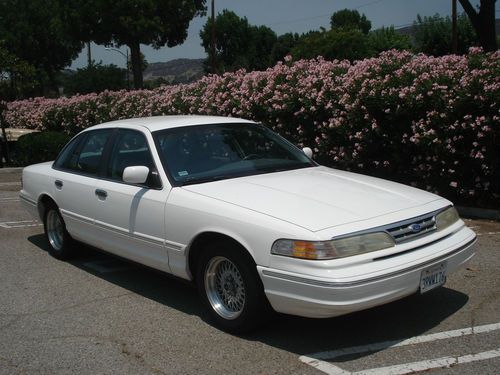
[[86, 155], [68, 151]]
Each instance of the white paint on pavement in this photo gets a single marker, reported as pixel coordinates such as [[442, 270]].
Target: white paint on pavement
[[488, 233], [319, 360], [411, 368], [13, 199], [20, 224]]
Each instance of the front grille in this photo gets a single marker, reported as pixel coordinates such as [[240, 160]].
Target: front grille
[[412, 228]]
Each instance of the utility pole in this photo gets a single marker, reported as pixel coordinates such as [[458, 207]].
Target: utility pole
[[454, 37], [126, 62], [128, 71], [89, 56], [212, 42], [4, 145]]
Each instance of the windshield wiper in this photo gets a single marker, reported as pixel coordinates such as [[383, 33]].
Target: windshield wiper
[[199, 180], [282, 168]]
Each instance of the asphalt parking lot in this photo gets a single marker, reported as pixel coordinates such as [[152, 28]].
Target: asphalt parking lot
[[100, 315]]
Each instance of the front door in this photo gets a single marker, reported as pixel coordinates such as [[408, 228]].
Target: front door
[[130, 218]]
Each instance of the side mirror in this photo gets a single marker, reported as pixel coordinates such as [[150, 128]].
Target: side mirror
[[308, 152], [136, 174]]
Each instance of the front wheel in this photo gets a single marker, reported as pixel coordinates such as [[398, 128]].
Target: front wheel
[[231, 289], [58, 238]]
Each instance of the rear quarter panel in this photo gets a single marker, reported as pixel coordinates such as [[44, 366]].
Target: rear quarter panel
[[37, 180]]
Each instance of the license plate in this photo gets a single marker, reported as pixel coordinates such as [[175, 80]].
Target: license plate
[[433, 277]]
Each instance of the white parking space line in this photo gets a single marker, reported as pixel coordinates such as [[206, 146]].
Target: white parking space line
[[318, 360], [20, 224], [13, 199], [488, 233], [10, 183], [410, 368]]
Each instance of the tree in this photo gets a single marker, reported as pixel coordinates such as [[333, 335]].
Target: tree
[[387, 38], [350, 19], [263, 41], [232, 40], [135, 22], [38, 33], [17, 77], [433, 35], [284, 45], [339, 44], [237, 43], [95, 78], [483, 22]]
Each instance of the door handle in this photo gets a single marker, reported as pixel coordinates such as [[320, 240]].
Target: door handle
[[58, 183], [101, 193]]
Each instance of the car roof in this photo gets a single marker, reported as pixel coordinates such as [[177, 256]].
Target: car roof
[[166, 122]]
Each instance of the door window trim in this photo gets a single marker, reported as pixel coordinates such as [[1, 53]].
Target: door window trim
[[84, 136], [107, 159]]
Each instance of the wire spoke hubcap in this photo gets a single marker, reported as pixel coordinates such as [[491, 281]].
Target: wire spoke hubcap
[[55, 231], [224, 287]]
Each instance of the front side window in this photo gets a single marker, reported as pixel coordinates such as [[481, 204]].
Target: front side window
[[195, 154], [84, 155], [130, 149]]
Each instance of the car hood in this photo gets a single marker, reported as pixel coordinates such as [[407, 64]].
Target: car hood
[[315, 198]]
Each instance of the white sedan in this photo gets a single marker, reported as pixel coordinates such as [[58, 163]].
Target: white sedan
[[247, 216]]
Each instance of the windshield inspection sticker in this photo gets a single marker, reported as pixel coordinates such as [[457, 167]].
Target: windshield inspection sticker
[[182, 173]]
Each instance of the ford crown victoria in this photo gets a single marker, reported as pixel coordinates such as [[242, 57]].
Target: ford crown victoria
[[247, 216]]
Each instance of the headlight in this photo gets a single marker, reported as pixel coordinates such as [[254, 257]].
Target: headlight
[[339, 248], [446, 218]]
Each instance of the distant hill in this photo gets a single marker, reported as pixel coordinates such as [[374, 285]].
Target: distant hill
[[410, 30], [175, 71]]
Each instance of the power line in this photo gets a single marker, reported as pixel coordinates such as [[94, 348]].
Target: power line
[[299, 19], [365, 5], [320, 16], [431, 20]]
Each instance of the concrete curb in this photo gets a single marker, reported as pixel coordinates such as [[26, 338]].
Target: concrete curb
[[11, 170], [479, 213]]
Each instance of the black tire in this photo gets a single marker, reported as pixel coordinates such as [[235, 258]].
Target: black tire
[[227, 277], [58, 239]]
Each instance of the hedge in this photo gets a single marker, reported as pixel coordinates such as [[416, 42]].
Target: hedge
[[432, 122], [38, 147]]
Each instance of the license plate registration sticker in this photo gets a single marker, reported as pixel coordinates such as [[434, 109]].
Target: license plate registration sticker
[[433, 277]]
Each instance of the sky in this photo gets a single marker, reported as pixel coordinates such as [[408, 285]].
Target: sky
[[282, 16]]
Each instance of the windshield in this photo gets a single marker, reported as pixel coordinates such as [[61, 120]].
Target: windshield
[[196, 154]]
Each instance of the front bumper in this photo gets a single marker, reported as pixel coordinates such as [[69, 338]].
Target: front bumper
[[318, 297]]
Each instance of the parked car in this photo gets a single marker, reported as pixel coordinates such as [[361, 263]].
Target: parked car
[[250, 218]]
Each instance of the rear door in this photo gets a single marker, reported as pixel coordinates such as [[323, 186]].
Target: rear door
[[76, 172]]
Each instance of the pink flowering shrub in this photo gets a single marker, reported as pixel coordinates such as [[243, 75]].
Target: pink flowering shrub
[[430, 122]]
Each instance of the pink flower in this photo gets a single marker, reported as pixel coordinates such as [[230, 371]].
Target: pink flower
[[443, 110]]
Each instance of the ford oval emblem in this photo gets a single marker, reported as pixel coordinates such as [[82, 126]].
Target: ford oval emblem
[[415, 228]]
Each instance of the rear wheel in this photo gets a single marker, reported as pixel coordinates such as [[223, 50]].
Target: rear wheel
[[58, 238], [230, 288]]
